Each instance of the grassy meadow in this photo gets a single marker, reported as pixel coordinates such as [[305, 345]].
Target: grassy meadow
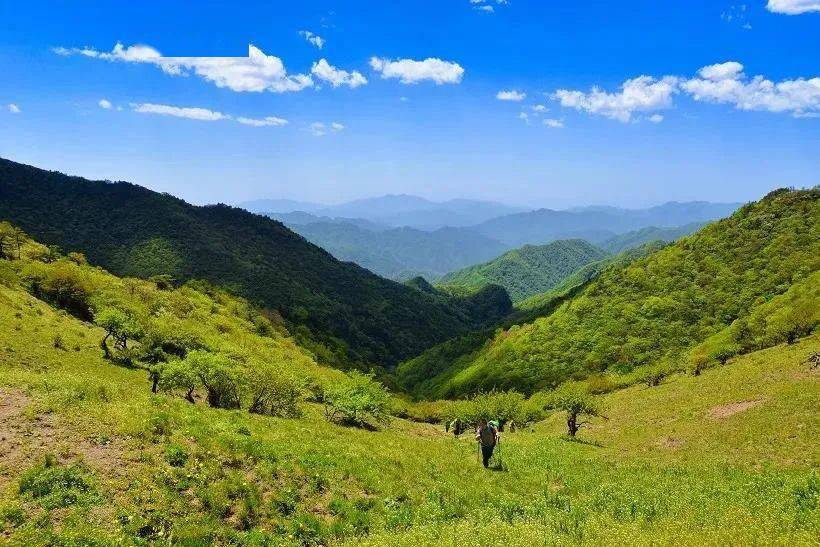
[[92, 457]]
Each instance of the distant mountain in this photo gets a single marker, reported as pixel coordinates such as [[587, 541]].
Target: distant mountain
[[342, 310], [530, 270], [396, 210], [637, 238], [297, 218], [597, 224], [279, 206], [401, 253]]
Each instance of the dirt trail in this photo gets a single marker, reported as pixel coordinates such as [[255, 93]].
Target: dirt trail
[[724, 411]]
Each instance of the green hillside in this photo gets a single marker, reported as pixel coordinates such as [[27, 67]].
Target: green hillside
[[355, 315], [636, 238], [657, 307], [425, 374], [92, 457], [530, 270]]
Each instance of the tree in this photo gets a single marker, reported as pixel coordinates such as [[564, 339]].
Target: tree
[[358, 400], [120, 326], [178, 376], [220, 377], [271, 392], [576, 402]]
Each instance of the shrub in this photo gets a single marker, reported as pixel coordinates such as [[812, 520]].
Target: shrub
[[598, 384], [272, 393], [64, 284], [58, 342], [176, 455], [55, 486], [653, 375], [359, 400], [160, 425]]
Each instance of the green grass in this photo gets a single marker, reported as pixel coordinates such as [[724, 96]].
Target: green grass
[[661, 469]]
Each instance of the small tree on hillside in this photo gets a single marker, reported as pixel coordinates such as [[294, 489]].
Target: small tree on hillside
[[576, 402], [118, 325], [220, 377], [271, 391], [178, 376], [358, 400]]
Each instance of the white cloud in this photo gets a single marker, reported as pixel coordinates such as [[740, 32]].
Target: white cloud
[[320, 129], [204, 114], [314, 39], [255, 73], [486, 5], [721, 83], [655, 118], [793, 7], [105, 104], [269, 121], [13, 108], [555, 124], [539, 108], [721, 71], [337, 77], [718, 84], [409, 71], [524, 117], [641, 94], [510, 95], [192, 113]]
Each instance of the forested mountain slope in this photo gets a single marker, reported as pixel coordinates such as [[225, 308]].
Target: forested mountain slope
[[636, 238], [402, 253], [133, 231], [660, 306], [530, 270]]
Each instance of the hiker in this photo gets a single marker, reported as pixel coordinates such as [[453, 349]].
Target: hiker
[[456, 427], [487, 436]]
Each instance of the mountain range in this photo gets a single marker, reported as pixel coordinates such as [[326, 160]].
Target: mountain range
[[395, 210], [401, 253], [732, 274], [342, 311]]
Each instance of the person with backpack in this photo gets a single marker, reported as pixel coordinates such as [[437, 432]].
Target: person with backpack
[[486, 434]]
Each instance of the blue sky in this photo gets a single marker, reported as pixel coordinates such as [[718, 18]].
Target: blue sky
[[431, 128]]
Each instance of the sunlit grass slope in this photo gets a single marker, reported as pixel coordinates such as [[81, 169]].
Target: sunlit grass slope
[[676, 463]]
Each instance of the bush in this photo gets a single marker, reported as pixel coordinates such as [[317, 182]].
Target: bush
[[55, 486], [176, 455], [653, 375], [272, 393], [64, 284], [359, 400]]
